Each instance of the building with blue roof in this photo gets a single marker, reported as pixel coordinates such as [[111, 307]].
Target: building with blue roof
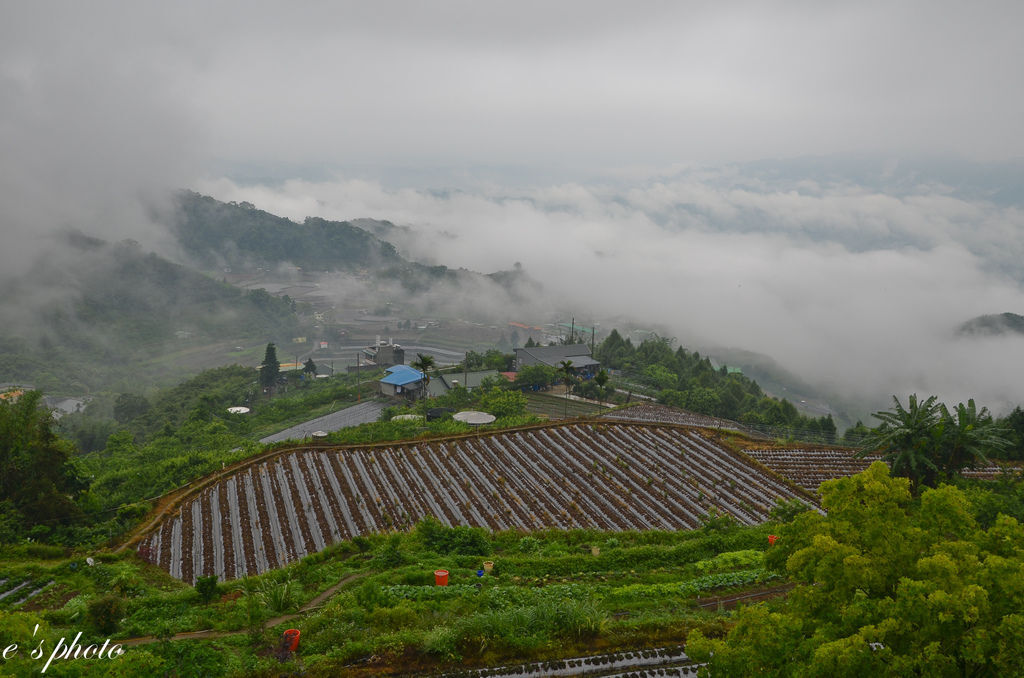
[[402, 380]]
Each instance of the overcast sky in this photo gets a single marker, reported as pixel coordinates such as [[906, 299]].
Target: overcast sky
[[576, 84], [524, 113]]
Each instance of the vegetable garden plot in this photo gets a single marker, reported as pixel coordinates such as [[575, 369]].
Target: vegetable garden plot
[[612, 476]]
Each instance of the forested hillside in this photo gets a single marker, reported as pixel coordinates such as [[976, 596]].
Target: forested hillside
[[94, 316], [233, 234], [685, 379]]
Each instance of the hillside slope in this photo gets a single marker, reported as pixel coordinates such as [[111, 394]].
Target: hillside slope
[[95, 313]]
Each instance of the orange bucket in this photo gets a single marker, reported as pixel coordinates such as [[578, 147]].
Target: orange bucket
[[441, 577], [291, 636]]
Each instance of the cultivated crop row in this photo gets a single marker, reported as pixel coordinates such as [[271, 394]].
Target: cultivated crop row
[[810, 467], [612, 476]]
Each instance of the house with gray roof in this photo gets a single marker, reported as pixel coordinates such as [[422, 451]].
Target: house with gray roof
[[583, 363], [446, 381]]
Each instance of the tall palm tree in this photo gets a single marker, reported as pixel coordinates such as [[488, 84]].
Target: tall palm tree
[[908, 439], [424, 363], [967, 437], [565, 367]]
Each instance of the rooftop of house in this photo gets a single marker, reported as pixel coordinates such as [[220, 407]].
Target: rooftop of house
[[579, 354], [400, 375]]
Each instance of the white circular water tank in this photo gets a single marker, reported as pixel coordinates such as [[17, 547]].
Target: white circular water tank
[[474, 418]]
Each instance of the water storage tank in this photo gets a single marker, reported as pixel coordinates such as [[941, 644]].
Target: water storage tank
[[474, 418]]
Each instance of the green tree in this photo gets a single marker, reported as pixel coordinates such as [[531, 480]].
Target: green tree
[[128, 406], [967, 437], [660, 377], [565, 367], [496, 360], [886, 586], [38, 481], [539, 376], [270, 367], [309, 367], [424, 363], [502, 403], [908, 439]]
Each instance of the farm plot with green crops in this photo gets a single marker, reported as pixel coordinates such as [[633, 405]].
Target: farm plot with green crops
[[547, 595], [555, 407]]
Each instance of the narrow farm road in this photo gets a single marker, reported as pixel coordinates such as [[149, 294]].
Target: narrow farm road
[[209, 633]]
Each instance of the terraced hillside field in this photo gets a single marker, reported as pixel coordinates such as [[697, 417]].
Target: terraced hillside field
[[809, 467], [615, 476], [652, 413]]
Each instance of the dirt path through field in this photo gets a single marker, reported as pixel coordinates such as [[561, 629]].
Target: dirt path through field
[[270, 623]]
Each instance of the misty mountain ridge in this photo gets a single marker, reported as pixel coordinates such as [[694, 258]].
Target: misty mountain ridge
[[215, 235], [93, 311], [998, 324]]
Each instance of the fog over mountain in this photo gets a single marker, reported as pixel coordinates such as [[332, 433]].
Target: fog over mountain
[[835, 185], [858, 288]]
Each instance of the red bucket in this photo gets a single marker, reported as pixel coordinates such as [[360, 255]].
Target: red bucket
[[441, 577], [291, 637]]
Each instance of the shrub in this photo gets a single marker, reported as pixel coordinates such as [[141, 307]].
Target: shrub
[[529, 545], [390, 556], [393, 618], [442, 642], [278, 596], [206, 587], [104, 613], [460, 540], [371, 596], [45, 551]]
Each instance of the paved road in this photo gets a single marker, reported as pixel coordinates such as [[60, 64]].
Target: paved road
[[362, 413]]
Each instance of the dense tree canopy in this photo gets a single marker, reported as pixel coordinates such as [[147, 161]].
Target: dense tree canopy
[[887, 586], [685, 379], [38, 481]]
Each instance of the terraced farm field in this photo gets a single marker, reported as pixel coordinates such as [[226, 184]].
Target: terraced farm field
[[809, 467], [652, 413], [555, 407], [614, 476]]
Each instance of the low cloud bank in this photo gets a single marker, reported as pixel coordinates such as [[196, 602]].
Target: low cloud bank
[[857, 290]]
